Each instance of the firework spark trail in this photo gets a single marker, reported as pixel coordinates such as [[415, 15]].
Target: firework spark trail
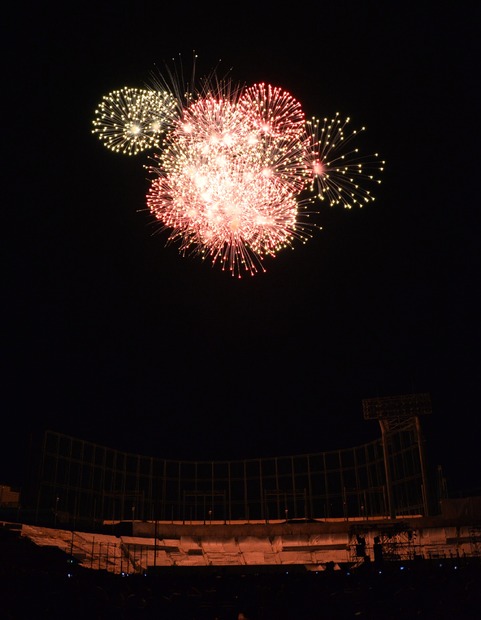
[[238, 166]]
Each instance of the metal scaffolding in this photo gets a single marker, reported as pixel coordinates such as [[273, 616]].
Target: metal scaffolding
[[385, 477]]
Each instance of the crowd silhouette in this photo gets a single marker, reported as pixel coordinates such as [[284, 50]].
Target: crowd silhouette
[[45, 583]]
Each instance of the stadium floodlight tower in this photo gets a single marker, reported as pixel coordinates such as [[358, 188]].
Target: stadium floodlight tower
[[398, 414]]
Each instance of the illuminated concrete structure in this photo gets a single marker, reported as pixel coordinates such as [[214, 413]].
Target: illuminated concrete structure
[[314, 546]]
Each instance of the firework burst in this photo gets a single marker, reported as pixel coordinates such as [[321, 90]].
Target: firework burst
[[341, 175], [131, 120], [233, 165], [225, 185]]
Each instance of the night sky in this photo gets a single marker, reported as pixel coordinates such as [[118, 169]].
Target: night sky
[[112, 337]]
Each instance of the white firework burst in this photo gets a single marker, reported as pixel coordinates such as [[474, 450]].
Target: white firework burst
[[131, 120], [341, 174]]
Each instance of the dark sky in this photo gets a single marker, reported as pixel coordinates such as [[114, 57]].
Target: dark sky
[[112, 337]]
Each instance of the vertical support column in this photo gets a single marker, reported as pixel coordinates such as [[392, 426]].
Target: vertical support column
[[387, 467], [422, 461]]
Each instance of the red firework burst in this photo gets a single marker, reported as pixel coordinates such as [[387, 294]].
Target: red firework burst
[[228, 178]]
